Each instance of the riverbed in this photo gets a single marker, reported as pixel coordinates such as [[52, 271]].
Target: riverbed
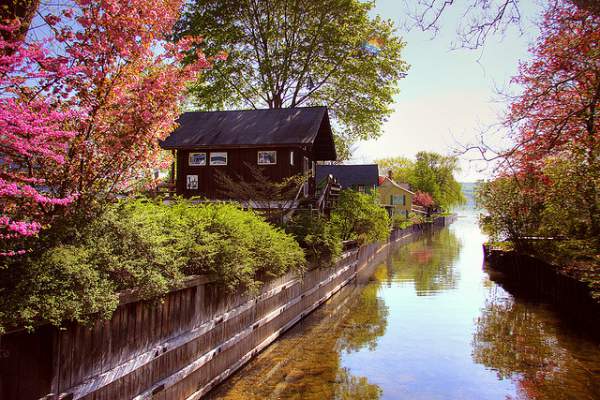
[[429, 323]]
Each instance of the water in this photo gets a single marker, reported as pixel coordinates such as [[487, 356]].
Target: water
[[429, 324]]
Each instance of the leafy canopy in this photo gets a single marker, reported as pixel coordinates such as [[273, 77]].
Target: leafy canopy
[[291, 53], [147, 247], [430, 173], [358, 216]]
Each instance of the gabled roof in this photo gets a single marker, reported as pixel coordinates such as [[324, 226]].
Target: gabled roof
[[350, 175], [403, 186], [308, 126]]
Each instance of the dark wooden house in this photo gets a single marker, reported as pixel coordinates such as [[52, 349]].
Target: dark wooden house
[[282, 142]]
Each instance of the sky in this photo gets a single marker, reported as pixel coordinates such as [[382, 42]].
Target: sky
[[448, 96]]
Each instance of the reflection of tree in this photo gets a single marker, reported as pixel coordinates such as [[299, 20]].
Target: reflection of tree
[[510, 339], [515, 340], [355, 387], [429, 262], [305, 363], [368, 319]]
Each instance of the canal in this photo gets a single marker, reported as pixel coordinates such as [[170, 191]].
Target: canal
[[429, 323]]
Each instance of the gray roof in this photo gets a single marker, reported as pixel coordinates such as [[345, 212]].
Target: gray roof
[[253, 128], [350, 175]]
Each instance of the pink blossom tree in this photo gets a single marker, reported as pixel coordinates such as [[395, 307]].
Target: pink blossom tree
[[83, 105], [423, 199]]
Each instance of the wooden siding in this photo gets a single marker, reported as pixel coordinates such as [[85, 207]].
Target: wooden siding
[[387, 189], [177, 349], [237, 160]]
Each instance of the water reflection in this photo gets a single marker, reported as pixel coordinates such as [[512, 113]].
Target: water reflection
[[523, 342], [429, 263], [305, 363], [429, 324]]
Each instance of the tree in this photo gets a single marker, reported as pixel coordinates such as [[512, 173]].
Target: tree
[[83, 104], [17, 11], [423, 199], [553, 123], [430, 173], [434, 174], [482, 18], [260, 191], [358, 216], [402, 168], [284, 53], [557, 113], [514, 208]]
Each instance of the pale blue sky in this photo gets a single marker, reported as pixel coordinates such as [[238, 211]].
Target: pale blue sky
[[448, 95]]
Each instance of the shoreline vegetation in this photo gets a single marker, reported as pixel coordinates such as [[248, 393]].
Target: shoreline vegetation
[[147, 247], [560, 257], [544, 200], [143, 248]]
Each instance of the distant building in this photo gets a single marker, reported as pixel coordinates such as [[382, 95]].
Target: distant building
[[395, 197], [282, 142], [362, 178]]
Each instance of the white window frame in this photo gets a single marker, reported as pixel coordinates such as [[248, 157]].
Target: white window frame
[[266, 151], [187, 182], [291, 157], [217, 154], [194, 153], [305, 165]]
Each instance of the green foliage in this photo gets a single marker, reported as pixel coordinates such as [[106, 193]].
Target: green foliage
[[284, 53], [399, 221], [147, 247], [571, 198], [402, 168], [273, 198], [431, 173], [434, 174], [510, 214], [320, 239], [358, 216]]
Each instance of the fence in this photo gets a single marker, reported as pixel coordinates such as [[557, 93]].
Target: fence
[[178, 349]]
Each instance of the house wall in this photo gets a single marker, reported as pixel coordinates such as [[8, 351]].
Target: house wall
[[237, 160], [386, 190]]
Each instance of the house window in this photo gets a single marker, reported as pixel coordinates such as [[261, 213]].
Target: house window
[[197, 159], [192, 182], [219, 158], [291, 157], [267, 157], [361, 188]]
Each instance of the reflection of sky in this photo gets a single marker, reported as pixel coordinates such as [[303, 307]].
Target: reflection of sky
[[426, 350], [428, 328]]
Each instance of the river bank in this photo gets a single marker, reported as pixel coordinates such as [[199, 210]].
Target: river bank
[[180, 348], [543, 279], [428, 323]]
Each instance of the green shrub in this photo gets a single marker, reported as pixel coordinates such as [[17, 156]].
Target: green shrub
[[320, 238], [146, 246], [400, 221], [358, 216]]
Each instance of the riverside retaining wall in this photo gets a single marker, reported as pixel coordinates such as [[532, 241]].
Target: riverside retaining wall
[[180, 348], [527, 276]]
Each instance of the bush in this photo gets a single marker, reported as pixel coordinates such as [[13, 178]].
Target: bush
[[146, 246], [320, 239], [400, 221], [359, 217]]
